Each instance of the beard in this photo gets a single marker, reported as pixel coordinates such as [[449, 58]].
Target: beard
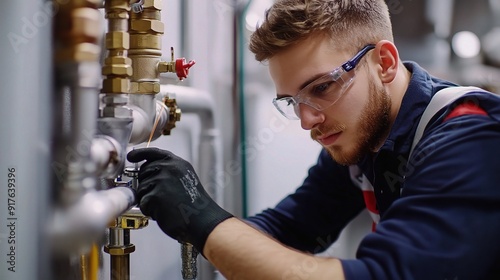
[[373, 128]]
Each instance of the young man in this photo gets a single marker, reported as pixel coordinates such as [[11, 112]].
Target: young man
[[336, 68]]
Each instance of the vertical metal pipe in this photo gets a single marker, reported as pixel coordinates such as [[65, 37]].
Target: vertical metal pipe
[[120, 267], [25, 125], [115, 118], [119, 249], [76, 56]]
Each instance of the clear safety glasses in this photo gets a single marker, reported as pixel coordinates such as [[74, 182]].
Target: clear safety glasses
[[322, 92]]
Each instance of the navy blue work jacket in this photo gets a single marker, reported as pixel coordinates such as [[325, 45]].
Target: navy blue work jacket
[[439, 215]]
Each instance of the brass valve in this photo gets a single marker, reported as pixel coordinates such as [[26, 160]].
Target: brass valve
[[178, 66], [173, 116]]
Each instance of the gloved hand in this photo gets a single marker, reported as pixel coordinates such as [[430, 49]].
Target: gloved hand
[[170, 193]]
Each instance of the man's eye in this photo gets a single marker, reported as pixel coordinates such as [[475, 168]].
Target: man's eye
[[320, 89], [289, 102]]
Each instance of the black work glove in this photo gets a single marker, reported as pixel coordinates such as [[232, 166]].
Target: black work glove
[[170, 193]]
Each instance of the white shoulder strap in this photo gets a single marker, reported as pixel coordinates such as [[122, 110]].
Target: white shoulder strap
[[438, 101]]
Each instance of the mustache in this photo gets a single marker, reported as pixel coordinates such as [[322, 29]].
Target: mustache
[[325, 129]]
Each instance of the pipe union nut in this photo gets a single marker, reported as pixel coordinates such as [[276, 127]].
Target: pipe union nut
[[115, 85], [146, 25], [117, 69], [115, 99], [119, 251], [116, 112], [144, 87], [117, 60], [156, 4], [117, 40]]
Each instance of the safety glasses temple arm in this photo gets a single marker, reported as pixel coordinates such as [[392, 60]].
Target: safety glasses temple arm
[[351, 64]]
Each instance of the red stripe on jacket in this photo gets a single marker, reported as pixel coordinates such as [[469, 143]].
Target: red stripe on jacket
[[465, 109]]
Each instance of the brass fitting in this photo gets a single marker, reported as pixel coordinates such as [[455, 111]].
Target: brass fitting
[[147, 26], [130, 222], [156, 4], [118, 60], [117, 40], [178, 66], [115, 85], [144, 87], [77, 32], [146, 29], [166, 67], [174, 115], [119, 251], [145, 41], [117, 8], [117, 70], [117, 67], [84, 24]]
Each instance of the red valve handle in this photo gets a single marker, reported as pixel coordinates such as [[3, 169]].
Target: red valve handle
[[182, 68]]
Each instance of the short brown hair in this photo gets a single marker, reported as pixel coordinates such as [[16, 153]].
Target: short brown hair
[[350, 24]]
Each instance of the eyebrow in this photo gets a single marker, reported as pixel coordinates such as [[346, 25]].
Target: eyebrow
[[304, 84]]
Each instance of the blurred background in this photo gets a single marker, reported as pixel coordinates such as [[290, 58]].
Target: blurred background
[[255, 156]]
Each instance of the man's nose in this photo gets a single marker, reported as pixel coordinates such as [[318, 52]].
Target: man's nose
[[309, 117]]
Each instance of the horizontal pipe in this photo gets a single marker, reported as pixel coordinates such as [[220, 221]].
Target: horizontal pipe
[[191, 100], [73, 229]]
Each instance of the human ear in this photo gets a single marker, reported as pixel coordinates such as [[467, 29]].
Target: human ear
[[387, 59]]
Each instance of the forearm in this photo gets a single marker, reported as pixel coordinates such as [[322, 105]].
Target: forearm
[[241, 252]]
